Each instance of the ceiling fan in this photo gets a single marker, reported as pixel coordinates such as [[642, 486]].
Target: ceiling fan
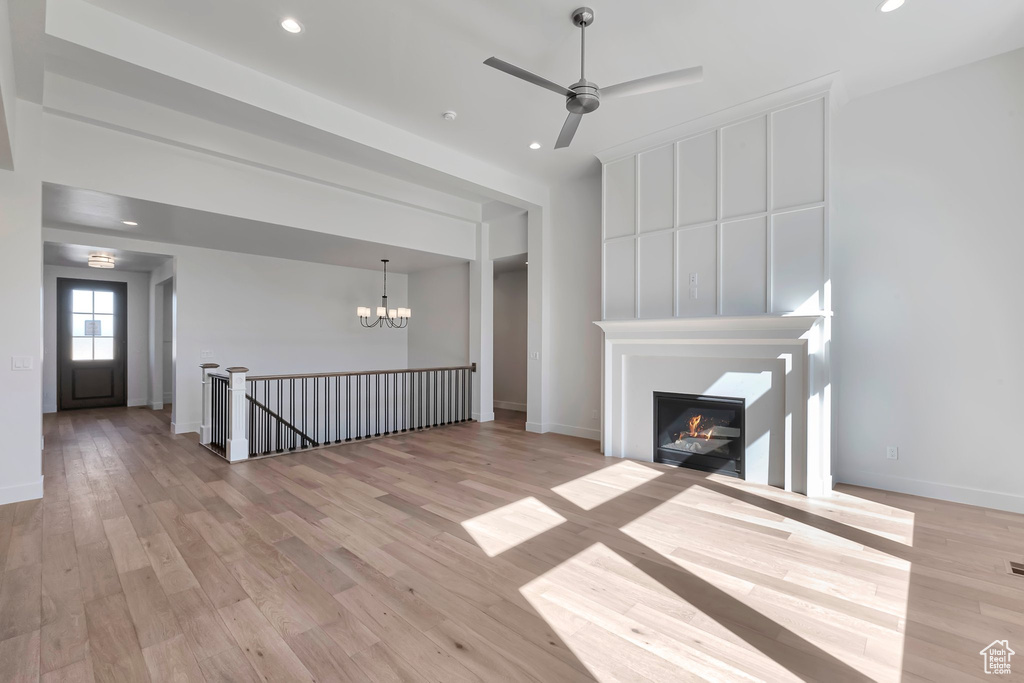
[[583, 96]]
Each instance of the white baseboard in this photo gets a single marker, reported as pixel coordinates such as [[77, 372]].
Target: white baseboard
[[567, 430], [929, 489], [185, 427], [156, 406], [167, 397], [510, 405], [135, 402], [487, 417], [50, 408], [19, 492]]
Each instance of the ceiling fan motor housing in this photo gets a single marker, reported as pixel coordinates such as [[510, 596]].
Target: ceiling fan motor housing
[[587, 98]]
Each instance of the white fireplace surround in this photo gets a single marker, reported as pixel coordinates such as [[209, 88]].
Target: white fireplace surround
[[778, 364]]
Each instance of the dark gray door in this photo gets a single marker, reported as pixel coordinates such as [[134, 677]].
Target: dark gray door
[[92, 343]]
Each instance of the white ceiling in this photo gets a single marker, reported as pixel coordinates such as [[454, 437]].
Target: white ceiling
[[102, 213], [406, 61], [77, 256]]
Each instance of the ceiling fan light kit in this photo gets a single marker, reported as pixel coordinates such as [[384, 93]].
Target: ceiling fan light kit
[[584, 97]]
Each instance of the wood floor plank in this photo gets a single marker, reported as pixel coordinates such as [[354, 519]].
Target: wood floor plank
[[172, 661], [266, 651], [229, 666], [113, 645], [20, 601], [19, 658], [151, 612]]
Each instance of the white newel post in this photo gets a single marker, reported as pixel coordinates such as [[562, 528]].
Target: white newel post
[[204, 428], [238, 442]]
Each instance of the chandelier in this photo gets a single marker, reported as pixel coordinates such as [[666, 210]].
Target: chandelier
[[396, 318]]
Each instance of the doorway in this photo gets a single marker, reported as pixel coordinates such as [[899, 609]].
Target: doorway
[[92, 342], [511, 316]]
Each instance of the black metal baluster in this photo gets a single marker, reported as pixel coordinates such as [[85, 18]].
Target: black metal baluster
[[348, 408], [394, 413], [470, 386], [385, 402], [358, 407], [368, 430], [405, 402], [377, 403]]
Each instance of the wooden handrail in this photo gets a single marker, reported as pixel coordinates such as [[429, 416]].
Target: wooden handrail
[[471, 367]]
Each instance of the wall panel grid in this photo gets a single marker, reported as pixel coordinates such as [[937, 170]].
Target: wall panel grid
[[729, 221]]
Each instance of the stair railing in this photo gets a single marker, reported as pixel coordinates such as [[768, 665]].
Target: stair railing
[[254, 416]]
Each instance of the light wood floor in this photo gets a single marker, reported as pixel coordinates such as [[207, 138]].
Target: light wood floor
[[479, 553]]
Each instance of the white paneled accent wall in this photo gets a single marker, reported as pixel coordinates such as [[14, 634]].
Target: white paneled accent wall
[[732, 220]]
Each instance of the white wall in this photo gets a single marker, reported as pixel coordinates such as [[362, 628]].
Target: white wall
[[509, 235], [21, 284], [510, 353], [137, 381], [574, 257], [439, 328], [730, 220], [926, 259], [270, 315]]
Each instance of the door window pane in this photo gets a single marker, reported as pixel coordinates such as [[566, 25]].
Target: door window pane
[[78, 326], [104, 326], [81, 301], [104, 302], [104, 348], [81, 348]]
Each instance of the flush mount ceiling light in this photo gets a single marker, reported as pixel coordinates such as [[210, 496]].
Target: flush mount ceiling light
[[101, 261], [131, 223], [291, 25], [449, 115], [395, 318], [890, 5], [534, 145]]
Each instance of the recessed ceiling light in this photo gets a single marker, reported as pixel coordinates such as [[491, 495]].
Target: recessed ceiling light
[[291, 25], [890, 5], [101, 261], [131, 223], [449, 115], [534, 145]]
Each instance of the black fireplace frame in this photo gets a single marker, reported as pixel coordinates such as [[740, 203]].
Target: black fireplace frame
[[740, 402]]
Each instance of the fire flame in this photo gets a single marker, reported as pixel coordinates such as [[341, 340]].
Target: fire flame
[[698, 428]]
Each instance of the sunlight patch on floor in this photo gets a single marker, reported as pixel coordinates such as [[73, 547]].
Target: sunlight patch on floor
[[775, 567], [599, 487], [624, 625], [508, 526]]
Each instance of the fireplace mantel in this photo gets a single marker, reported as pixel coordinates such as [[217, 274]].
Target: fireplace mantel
[[778, 363]]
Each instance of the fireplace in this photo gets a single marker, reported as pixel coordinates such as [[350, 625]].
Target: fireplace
[[700, 432]]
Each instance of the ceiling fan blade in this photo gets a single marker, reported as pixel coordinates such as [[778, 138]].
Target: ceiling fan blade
[[672, 79], [513, 70], [568, 130]]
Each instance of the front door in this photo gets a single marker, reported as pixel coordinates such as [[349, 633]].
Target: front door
[[92, 343]]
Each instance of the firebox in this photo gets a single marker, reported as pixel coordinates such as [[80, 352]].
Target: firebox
[[701, 432]]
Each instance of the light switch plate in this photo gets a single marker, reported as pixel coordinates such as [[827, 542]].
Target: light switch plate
[[206, 353], [892, 453], [21, 362], [534, 355]]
